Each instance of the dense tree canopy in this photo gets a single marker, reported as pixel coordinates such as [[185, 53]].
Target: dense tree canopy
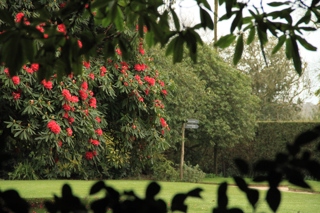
[[47, 32]]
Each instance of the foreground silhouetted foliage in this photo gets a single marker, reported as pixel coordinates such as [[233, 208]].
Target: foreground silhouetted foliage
[[289, 165]]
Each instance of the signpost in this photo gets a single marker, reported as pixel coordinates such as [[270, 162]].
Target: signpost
[[191, 124]]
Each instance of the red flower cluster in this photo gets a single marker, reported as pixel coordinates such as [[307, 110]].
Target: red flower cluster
[[103, 71], [19, 17], [163, 122], [89, 155], [69, 131], [91, 75], [118, 51], [59, 143], [47, 84], [16, 80], [79, 44], [86, 64], [83, 94], [151, 81], [164, 92], [33, 68], [158, 103], [98, 119], [140, 67], [93, 102], [94, 142], [67, 95], [54, 127], [16, 95], [62, 29], [99, 131]]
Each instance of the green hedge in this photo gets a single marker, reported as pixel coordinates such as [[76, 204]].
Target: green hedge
[[271, 138]]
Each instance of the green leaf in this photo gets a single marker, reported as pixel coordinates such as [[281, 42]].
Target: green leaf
[[305, 44], [175, 19], [288, 48], [28, 49], [277, 4], [6, 17], [225, 41], [178, 50], [296, 56], [118, 18], [236, 21], [280, 43], [238, 50], [206, 20], [251, 36]]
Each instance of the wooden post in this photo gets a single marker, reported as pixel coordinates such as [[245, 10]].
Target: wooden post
[[182, 152]]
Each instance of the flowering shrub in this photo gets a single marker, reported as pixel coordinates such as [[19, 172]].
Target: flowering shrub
[[59, 125]]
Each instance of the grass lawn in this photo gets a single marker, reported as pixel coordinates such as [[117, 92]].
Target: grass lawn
[[291, 202]]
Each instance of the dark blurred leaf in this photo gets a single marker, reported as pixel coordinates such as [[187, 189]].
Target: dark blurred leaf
[[177, 203], [306, 18], [297, 179], [222, 196], [264, 166], [14, 202], [238, 50], [243, 186], [293, 149], [195, 193], [97, 187], [6, 17], [281, 158], [152, 190], [253, 197], [260, 179], [306, 138], [296, 56], [314, 169], [274, 178], [66, 191], [273, 198], [236, 21], [242, 165], [288, 48], [99, 206], [234, 210]]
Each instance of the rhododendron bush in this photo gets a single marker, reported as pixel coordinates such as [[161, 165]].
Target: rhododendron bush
[[108, 121]]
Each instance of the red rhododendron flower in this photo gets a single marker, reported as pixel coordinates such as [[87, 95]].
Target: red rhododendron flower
[[161, 83], [66, 94], [151, 81], [164, 92], [79, 44], [69, 131], [90, 93], [6, 71], [59, 143], [66, 107], [86, 64], [62, 29], [93, 102], [99, 131], [83, 94], [70, 120], [54, 127], [98, 119], [137, 77], [47, 84], [124, 65], [19, 17], [163, 122], [94, 142], [40, 28], [95, 153], [35, 67], [141, 51], [91, 75], [147, 91], [65, 115], [16, 95], [89, 155], [118, 51], [74, 99], [28, 69], [140, 99], [16, 80], [84, 85], [103, 71], [86, 112]]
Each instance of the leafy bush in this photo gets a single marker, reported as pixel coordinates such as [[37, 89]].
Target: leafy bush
[[192, 173], [164, 170]]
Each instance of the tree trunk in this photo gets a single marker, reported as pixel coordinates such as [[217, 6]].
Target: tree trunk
[[215, 159]]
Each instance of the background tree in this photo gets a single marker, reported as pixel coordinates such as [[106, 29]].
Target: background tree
[[217, 95], [280, 90]]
